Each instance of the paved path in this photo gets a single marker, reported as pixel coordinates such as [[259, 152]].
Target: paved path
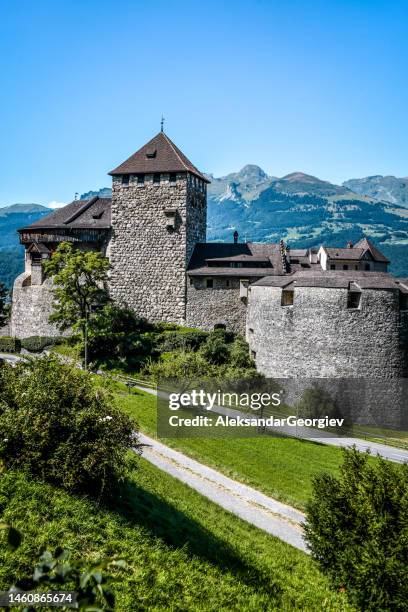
[[249, 504]]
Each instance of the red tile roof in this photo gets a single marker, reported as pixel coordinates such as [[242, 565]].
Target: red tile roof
[[160, 154]]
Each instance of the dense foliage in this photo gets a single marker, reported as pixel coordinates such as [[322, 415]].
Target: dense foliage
[[217, 354], [80, 279], [9, 344], [57, 424], [36, 344], [357, 530]]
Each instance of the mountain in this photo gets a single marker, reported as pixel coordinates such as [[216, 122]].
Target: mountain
[[386, 188], [305, 211], [11, 252], [300, 208]]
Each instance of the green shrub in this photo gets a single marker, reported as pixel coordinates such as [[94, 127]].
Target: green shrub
[[9, 344], [58, 425], [357, 530], [36, 344], [186, 340], [316, 402]]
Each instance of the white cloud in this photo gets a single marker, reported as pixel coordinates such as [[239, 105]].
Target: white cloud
[[55, 204]]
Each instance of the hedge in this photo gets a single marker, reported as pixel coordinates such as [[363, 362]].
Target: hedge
[[9, 344], [36, 344]]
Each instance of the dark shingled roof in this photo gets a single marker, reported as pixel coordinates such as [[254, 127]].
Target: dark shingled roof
[[160, 154], [219, 252], [81, 214], [334, 279], [357, 252]]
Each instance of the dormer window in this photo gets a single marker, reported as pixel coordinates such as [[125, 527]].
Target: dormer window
[[125, 180], [156, 178], [151, 154], [172, 177]]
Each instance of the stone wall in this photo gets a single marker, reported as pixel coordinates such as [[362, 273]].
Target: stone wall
[[148, 258], [220, 304], [320, 337], [31, 307]]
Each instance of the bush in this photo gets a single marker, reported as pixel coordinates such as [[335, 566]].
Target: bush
[[357, 530], [57, 424], [117, 335], [316, 402], [9, 344], [188, 340], [36, 344]]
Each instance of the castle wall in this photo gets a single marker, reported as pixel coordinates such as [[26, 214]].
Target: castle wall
[[148, 258], [320, 337], [220, 304], [31, 307]]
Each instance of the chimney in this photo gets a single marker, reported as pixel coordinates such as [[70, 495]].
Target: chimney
[[235, 237], [349, 244]]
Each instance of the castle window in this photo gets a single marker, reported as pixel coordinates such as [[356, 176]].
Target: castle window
[[287, 297], [403, 301], [172, 177], [156, 178], [354, 300], [253, 354], [345, 267], [220, 326], [125, 180], [140, 179], [332, 267], [191, 282], [227, 283], [367, 267], [209, 283]]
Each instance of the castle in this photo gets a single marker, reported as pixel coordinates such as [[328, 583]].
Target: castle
[[305, 312]]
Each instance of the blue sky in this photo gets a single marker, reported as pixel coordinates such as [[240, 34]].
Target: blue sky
[[319, 87]]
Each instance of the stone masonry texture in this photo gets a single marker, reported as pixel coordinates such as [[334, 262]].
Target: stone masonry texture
[[148, 258]]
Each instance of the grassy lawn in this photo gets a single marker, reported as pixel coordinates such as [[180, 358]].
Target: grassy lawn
[[183, 552], [281, 467]]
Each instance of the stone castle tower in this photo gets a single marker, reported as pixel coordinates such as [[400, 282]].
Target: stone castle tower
[[159, 213]]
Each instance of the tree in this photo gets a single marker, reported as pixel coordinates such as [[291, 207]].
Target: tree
[[4, 305], [59, 423], [80, 279], [357, 530]]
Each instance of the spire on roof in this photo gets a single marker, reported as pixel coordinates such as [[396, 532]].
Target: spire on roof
[[162, 124]]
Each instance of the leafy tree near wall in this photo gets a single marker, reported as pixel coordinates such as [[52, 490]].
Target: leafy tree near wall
[[80, 279], [4, 306]]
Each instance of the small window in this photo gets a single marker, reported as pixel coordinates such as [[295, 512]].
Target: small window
[[156, 178], [172, 177], [191, 282], [253, 354], [209, 283], [151, 154], [220, 326], [251, 330], [227, 283], [356, 267], [332, 267], [354, 299], [287, 297], [403, 301], [345, 267], [367, 267], [140, 179], [125, 180]]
